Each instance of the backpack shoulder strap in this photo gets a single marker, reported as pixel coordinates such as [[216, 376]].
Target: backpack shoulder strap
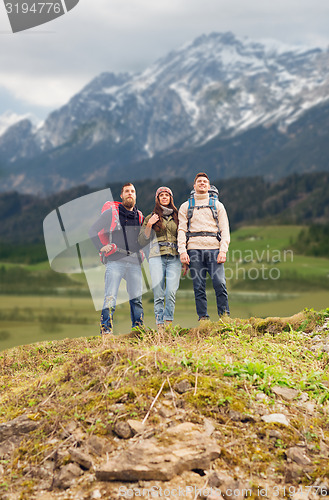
[[190, 209], [140, 217], [213, 197], [106, 236], [114, 206]]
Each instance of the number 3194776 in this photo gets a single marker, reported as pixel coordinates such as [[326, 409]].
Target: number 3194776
[[36, 8]]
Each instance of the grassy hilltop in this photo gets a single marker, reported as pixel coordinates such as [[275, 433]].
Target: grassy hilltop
[[233, 405], [265, 277]]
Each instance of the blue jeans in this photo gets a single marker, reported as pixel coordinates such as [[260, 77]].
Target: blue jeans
[[115, 272], [201, 262], [165, 273]]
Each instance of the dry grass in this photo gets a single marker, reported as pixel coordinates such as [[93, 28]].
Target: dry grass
[[95, 381]]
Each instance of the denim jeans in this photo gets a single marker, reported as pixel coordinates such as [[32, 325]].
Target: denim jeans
[[165, 273], [115, 272], [201, 262]]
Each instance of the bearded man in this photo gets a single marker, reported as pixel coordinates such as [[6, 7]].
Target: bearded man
[[120, 224]]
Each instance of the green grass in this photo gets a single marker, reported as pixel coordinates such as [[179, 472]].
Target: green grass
[[94, 382], [39, 293], [260, 258]]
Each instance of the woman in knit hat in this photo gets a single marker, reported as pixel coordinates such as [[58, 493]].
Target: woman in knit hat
[[165, 267]]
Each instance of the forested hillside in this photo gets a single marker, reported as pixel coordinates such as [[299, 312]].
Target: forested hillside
[[297, 199]]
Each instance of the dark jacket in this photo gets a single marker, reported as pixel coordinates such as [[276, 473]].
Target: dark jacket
[[124, 236]]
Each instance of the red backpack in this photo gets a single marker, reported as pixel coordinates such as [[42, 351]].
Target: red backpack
[[106, 236]]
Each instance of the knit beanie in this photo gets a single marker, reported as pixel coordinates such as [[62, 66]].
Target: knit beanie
[[161, 190]]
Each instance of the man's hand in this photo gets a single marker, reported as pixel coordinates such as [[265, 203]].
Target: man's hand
[[221, 258], [185, 269], [107, 248], [184, 258]]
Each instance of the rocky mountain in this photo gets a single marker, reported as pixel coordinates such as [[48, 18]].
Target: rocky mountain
[[217, 88]]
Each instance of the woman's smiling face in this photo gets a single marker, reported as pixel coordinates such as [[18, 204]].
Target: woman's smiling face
[[164, 198]]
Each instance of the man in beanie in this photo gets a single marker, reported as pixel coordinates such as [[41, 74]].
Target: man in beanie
[[203, 241]]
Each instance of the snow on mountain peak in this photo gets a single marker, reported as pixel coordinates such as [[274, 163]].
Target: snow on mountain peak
[[216, 84], [9, 118]]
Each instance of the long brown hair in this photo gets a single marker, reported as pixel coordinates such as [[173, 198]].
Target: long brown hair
[[159, 211]]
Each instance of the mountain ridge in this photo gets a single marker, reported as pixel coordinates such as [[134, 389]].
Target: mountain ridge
[[217, 87]]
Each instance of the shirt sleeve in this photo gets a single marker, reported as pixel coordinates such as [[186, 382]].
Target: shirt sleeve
[[224, 227], [182, 228]]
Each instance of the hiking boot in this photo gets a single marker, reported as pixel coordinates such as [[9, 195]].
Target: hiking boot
[[105, 331], [204, 318]]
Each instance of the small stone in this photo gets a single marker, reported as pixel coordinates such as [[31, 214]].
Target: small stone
[[227, 485], [67, 475], [69, 429], [78, 436], [182, 386], [136, 426], [9, 446], [310, 407], [39, 472], [96, 494], [298, 456], [98, 445], [81, 458], [182, 429], [285, 392], [165, 412], [275, 418], [236, 416], [168, 404], [293, 473], [208, 427], [123, 430], [261, 396], [275, 434], [304, 397], [18, 426], [324, 449]]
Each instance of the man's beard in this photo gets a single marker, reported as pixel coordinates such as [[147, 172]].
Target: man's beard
[[128, 203]]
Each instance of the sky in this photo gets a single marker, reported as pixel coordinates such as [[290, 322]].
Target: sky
[[42, 68]]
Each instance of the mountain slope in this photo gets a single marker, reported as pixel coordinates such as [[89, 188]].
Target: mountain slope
[[216, 87], [297, 199]]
